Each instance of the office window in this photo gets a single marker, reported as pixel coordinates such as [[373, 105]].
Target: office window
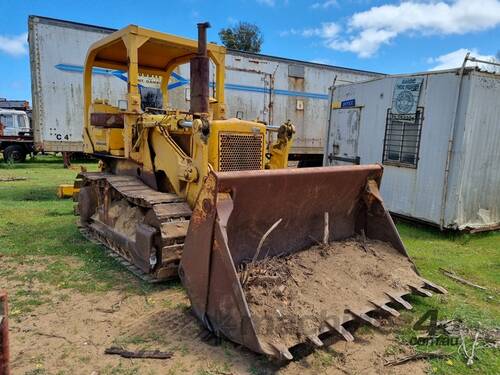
[[402, 139]]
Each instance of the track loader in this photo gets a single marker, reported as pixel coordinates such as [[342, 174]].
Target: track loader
[[154, 161], [270, 257]]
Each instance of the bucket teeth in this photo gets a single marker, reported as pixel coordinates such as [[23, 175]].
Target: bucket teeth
[[340, 330], [420, 291], [436, 288], [315, 340], [366, 318], [401, 301], [282, 351], [386, 308]]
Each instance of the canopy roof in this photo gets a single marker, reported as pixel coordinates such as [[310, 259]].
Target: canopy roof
[[155, 53]]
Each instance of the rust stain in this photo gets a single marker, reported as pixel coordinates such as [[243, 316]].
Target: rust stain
[[4, 335]]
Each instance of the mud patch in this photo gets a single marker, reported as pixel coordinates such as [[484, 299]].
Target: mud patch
[[291, 297]]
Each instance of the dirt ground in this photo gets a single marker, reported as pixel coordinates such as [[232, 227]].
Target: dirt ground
[[294, 295], [69, 331]]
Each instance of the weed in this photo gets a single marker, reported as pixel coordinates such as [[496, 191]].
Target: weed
[[183, 349], [256, 370], [215, 369], [182, 306], [324, 358], [364, 330], [119, 370], [134, 340], [393, 349], [36, 371], [85, 359], [167, 303], [177, 368]]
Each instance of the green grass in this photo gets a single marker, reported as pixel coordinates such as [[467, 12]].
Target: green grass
[[475, 258], [37, 227]]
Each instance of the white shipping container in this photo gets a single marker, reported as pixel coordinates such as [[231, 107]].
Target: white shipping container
[[56, 57], [267, 88], [442, 167]]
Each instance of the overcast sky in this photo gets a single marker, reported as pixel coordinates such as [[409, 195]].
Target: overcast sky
[[382, 36]]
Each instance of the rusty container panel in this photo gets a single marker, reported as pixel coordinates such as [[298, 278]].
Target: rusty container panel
[[235, 210], [4, 335]]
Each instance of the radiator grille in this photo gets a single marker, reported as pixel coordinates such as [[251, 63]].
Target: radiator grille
[[239, 152]]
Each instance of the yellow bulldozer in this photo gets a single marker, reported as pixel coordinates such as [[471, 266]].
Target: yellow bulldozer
[[155, 161], [190, 193]]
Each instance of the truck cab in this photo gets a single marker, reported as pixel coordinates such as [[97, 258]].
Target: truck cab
[[16, 136]]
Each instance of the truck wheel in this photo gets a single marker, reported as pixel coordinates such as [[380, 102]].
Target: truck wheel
[[14, 153]]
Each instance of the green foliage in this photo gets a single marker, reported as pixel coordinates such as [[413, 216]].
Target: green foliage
[[244, 37]]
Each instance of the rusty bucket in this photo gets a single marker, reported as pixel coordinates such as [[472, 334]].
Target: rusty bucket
[[245, 217]]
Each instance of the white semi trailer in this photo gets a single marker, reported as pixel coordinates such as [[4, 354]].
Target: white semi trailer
[[271, 89]]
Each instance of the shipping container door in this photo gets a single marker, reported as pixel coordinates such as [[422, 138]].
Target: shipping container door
[[344, 133], [248, 94]]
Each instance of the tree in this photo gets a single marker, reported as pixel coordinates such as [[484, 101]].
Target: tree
[[244, 37]]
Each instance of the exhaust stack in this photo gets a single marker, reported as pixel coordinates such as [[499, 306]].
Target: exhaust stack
[[200, 77]]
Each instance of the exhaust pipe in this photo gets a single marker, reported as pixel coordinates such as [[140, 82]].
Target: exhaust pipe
[[199, 70]]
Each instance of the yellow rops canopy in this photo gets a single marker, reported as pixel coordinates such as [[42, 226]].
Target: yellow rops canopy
[[142, 51]]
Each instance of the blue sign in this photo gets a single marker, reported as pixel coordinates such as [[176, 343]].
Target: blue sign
[[348, 103]]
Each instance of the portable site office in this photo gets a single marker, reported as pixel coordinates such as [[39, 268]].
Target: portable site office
[[437, 135]]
